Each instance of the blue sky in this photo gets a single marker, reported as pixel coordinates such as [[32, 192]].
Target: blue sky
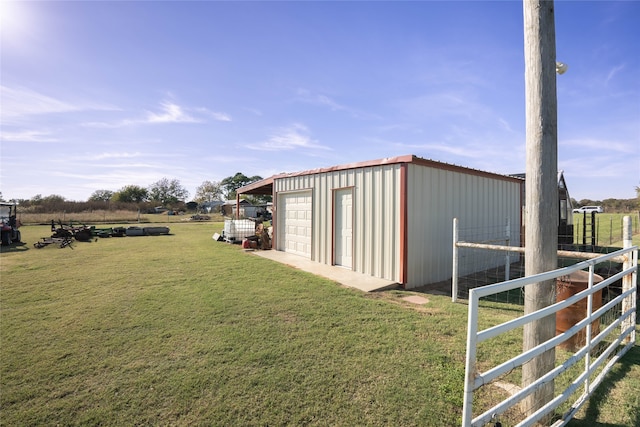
[[99, 95]]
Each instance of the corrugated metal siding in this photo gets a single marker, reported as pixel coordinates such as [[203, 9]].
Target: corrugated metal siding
[[434, 198], [376, 205]]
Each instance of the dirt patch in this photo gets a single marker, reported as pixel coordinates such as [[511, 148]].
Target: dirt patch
[[416, 299]]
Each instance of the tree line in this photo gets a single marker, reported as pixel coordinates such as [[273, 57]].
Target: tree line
[[172, 194], [166, 192], [610, 205]]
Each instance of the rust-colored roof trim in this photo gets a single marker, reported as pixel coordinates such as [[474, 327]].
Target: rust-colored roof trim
[[355, 165], [462, 169]]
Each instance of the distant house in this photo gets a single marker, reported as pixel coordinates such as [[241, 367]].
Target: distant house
[[212, 206], [389, 218], [247, 210]]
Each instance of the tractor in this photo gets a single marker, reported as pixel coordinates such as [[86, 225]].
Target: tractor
[[10, 224]]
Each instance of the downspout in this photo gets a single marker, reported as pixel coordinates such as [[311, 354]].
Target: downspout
[[237, 205]]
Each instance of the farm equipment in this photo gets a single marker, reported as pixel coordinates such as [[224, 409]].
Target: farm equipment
[[62, 242], [9, 223], [80, 233], [105, 232], [62, 235]]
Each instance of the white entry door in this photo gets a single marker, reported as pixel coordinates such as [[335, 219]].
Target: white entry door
[[343, 228]]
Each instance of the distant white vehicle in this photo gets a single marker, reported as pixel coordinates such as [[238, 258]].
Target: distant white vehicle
[[588, 209]]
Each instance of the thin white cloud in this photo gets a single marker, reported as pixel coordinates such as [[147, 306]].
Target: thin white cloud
[[114, 179], [112, 125], [171, 113], [449, 71], [117, 155], [223, 117], [445, 104], [293, 137], [307, 97], [601, 167], [599, 144], [20, 102], [612, 73], [254, 111], [220, 116], [28, 136], [131, 166], [457, 150], [229, 159], [317, 99], [504, 124], [129, 162], [412, 128]]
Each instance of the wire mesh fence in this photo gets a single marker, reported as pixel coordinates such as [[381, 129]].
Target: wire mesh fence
[[481, 266]]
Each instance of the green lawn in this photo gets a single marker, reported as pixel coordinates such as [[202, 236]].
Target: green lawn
[[182, 330]]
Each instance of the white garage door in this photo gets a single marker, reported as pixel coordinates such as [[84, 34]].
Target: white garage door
[[294, 226]]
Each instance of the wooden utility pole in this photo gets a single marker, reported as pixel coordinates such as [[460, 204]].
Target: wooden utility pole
[[541, 188]]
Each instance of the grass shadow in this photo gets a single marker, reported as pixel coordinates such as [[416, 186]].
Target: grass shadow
[[598, 399], [16, 247]]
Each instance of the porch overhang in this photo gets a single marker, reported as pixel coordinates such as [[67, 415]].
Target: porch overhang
[[264, 187]]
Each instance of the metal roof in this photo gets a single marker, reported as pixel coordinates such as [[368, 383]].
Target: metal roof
[[265, 186]]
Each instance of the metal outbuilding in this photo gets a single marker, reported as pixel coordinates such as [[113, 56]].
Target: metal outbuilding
[[388, 218]]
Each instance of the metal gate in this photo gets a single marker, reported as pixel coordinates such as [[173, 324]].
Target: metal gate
[[613, 341]]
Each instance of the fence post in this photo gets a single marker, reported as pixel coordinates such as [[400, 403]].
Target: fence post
[[454, 273], [587, 357], [610, 230], [470, 362], [627, 303], [595, 221], [507, 256]]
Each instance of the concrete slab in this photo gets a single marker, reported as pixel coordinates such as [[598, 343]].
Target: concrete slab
[[341, 275]]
